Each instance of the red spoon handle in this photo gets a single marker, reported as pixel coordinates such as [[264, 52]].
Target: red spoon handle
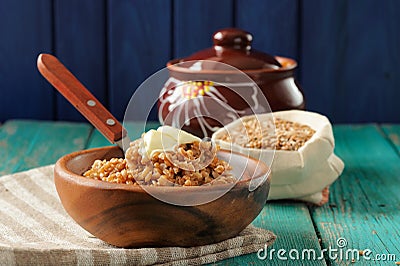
[[74, 91]]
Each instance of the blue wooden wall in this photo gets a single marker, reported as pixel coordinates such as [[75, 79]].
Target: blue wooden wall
[[348, 51]]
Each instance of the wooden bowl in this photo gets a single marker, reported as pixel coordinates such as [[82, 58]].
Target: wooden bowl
[[127, 216]]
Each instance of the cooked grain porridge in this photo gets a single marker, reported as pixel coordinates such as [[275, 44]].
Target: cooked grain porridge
[[170, 168]]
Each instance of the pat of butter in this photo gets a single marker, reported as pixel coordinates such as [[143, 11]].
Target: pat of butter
[[165, 138]]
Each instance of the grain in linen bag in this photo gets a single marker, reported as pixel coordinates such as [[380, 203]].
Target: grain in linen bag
[[305, 174]]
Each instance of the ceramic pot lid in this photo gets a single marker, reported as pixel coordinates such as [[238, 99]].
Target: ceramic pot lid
[[232, 46]]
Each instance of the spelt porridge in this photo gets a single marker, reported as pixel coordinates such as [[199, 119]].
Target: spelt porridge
[[187, 164], [256, 134]]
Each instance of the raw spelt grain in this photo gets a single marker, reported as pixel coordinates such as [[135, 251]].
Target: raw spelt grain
[[256, 134]]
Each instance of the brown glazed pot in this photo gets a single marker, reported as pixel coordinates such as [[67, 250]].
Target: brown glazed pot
[[274, 75], [127, 216]]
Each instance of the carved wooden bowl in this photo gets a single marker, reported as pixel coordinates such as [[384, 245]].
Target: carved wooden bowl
[[127, 216]]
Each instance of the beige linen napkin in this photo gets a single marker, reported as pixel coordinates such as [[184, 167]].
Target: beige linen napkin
[[35, 229]]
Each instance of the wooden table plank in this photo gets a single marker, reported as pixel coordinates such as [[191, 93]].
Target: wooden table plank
[[364, 205], [330, 86], [81, 44], [96, 139], [283, 42], [138, 47], [26, 30], [28, 144], [198, 21], [393, 133], [291, 222]]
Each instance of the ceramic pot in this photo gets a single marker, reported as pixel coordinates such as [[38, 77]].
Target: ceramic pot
[[185, 99]]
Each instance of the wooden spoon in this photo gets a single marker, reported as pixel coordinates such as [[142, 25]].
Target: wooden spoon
[[81, 98]]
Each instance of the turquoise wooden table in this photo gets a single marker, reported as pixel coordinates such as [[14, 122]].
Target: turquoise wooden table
[[363, 212]]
